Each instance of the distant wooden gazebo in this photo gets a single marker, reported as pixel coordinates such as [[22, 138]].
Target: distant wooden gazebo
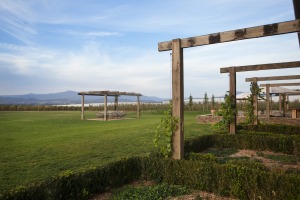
[[115, 94], [272, 78]]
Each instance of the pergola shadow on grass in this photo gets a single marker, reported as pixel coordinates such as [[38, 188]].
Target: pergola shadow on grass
[[105, 94], [177, 46]]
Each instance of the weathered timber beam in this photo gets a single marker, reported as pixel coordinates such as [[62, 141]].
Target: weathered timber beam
[[109, 93], [280, 84], [296, 4], [274, 78], [233, 35], [262, 67]]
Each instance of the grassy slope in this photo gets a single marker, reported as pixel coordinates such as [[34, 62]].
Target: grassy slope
[[36, 145]]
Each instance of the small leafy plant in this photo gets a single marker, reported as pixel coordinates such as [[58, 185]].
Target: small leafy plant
[[164, 131], [227, 111], [255, 91]]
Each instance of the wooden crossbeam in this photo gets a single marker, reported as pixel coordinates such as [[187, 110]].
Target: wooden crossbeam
[[280, 84], [262, 67], [234, 35], [109, 93], [274, 78]]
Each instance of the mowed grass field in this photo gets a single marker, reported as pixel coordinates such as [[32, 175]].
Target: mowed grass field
[[38, 145]]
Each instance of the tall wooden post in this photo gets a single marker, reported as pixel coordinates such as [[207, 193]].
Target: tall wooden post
[[296, 4], [284, 104], [280, 102], [105, 107], [268, 100], [116, 102], [138, 107], [82, 106], [232, 93], [271, 105], [255, 102], [287, 102], [178, 98]]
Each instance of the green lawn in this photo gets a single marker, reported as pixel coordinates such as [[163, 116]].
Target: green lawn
[[37, 145]]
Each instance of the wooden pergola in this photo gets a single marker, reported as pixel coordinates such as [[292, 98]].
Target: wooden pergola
[[177, 46], [269, 78], [268, 86], [115, 94]]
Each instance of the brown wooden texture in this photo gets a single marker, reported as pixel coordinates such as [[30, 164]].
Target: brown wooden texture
[[178, 98], [274, 78], [255, 104], [268, 100], [116, 102], [82, 107], [284, 65], [279, 102], [296, 4], [234, 35], [232, 93], [116, 94], [105, 107], [280, 84], [138, 107], [109, 93]]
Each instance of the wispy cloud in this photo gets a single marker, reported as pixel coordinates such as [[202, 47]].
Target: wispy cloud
[[89, 34], [112, 45]]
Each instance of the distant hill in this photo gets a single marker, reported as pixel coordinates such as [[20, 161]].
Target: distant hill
[[64, 98]]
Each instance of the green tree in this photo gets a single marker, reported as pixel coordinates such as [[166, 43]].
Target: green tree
[[190, 103], [213, 103], [205, 102]]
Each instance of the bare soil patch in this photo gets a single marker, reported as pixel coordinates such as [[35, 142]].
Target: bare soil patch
[[269, 163]]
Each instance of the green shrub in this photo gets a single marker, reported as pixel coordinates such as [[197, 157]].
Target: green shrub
[[199, 144], [161, 191], [252, 164], [222, 152], [204, 157], [225, 179], [288, 144], [272, 128], [81, 185]]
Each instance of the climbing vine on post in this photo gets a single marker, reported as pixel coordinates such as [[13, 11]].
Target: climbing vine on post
[[228, 112], [255, 91], [164, 131]]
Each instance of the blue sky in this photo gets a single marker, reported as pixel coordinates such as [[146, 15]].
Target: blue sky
[[57, 45]]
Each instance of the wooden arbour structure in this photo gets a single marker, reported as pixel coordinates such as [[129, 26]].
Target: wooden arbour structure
[[177, 46], [268, 86], [269, 78], [232, 73], [105, 94]]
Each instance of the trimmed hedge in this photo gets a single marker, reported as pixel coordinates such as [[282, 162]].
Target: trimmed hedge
[[80, 185], [289, 144], [272, 128], [224, 179]]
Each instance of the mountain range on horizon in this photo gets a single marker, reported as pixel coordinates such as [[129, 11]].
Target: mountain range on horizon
[[67, 97], [71, 97]]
